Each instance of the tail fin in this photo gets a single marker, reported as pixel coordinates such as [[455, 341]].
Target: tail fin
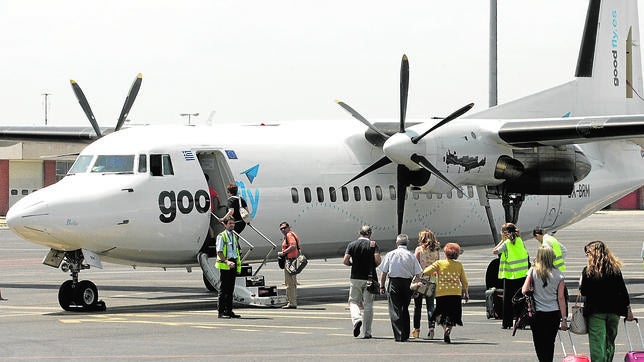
[[608, 78]]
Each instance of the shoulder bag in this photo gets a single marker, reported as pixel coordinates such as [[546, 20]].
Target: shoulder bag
[[296, 265], [577, 320], [422, 286], [243, 212], [373, 286]]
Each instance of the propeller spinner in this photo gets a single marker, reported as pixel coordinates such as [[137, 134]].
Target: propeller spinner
[[399, 147], [129, 101]]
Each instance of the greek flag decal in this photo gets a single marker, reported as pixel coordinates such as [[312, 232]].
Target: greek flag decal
[[188, 155]]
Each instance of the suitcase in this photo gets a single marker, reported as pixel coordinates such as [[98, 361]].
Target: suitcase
[[633, 355], [574, 357], [494, 303]]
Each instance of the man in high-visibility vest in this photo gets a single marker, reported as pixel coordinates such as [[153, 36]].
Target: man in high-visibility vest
[[229, 265], [550, 241]]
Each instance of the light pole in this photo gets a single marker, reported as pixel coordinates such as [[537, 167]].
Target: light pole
[[46, 96], [189, 115]]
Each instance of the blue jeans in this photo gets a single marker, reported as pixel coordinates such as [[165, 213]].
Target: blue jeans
[[418, 310], [602, 330]]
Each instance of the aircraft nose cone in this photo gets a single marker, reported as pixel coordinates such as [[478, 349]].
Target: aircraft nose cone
[[28, 216]]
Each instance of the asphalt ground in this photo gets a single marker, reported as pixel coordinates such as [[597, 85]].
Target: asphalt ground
[[154, 314]]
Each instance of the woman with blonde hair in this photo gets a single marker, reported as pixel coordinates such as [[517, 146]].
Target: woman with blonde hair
[[451, 286], [427, 252], [606, 299], [547, 285]]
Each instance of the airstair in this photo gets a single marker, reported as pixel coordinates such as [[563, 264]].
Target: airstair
[[250, 288]]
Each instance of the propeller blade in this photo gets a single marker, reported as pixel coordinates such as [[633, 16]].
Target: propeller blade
[[129, 101], [404, 90], [456, 114], [360, 118], [424, 163], [376, 165], [402, 181], [85, 105]]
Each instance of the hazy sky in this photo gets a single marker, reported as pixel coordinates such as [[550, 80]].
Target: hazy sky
[[260, 60]]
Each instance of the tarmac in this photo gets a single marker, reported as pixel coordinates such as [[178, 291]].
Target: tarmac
[[154, 314]]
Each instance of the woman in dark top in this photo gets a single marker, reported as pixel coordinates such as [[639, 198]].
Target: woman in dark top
[[606, 299], [233, 205]]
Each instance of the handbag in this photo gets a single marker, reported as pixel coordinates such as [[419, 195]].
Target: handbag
[[245, 215], [295, 266], [577, 320], [525, 304], [422, 286]]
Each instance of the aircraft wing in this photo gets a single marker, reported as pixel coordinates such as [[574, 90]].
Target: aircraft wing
[[561, 131], [70, 134]]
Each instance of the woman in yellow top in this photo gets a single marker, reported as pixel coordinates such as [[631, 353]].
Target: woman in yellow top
[[451, 285]]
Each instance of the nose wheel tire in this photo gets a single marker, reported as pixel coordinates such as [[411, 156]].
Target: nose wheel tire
[[80, 297]]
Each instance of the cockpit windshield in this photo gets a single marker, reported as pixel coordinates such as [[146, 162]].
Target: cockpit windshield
[[114, 163], [80, 165]]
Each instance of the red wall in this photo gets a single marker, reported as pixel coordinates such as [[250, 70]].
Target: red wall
[[49, 172]]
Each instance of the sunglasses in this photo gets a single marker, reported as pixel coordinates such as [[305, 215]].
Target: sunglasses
[[284, 228]]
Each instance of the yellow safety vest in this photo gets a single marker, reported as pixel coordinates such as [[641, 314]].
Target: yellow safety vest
[[514, 263], [559, 263], [220, 263]]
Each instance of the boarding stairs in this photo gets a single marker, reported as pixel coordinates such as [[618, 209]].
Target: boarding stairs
[[250, 288]]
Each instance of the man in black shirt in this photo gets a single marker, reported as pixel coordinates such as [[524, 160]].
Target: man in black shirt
[[362, 255]]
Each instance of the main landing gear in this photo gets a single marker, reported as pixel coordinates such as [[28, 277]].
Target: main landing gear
[[74, 295]]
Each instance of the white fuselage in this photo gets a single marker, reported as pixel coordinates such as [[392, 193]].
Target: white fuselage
[[284, 172]]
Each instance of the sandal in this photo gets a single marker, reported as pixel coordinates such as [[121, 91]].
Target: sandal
[[430, 335]]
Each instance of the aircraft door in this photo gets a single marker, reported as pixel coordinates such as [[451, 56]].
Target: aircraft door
[[213, 164], [552, 210]]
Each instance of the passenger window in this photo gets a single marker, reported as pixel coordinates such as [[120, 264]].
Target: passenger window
[[367, 193], [356, 193], [294, 195], [449, 194], [345, 194], [392, 192], [307, 194], [25, 192], [143, 163], [439, 196], [459, 193], [378, 193], [14, 192], [415, 195], [332, 195], [470, 191], [320, 194]]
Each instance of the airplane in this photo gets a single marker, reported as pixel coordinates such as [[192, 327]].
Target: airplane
[[137, 195]]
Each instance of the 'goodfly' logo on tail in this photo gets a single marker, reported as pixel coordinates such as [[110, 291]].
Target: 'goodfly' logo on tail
[[615, 43]]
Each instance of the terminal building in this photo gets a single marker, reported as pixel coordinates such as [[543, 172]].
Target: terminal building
[[28, 166]]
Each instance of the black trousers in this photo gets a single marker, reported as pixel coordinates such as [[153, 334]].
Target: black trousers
[[399, 299], [225, 303], [510, 286], [544, 332]]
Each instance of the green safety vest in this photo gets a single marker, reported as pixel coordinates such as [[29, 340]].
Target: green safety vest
[[221, 264], [514, 261], [559, 260]]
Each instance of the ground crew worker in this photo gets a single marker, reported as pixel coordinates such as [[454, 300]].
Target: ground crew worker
[[229, 265], [513, 268], [557, 247]]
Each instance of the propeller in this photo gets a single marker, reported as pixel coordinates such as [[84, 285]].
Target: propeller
[[129, 101], [397, 147]]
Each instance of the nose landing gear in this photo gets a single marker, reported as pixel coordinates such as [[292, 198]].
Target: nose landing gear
[[74, 295]]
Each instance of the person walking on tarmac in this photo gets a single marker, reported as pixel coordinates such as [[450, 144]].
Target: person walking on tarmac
[[513, 268], [229, 265], [550, 241]]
